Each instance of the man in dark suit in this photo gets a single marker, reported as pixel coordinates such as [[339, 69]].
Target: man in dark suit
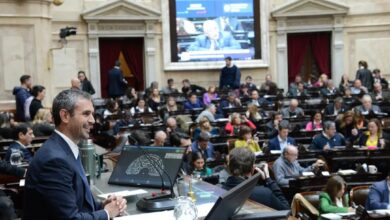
[[23, 135], [282, 140], [379, 195], [328, 139], [365, 75], [336, 107], [116, 82], [56, 186]]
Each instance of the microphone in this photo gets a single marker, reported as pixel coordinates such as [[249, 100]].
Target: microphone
[[156, 202]]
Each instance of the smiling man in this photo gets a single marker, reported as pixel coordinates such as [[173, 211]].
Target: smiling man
[[56, 186]]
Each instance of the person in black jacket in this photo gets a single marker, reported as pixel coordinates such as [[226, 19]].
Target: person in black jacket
[[39, 93], [116, 82], [7, 211], [336, 107], [86, 85], [365, 75], [241, 167], [189, 88], [230, 76]]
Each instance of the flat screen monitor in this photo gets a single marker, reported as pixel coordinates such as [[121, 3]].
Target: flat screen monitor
[[135, 168]]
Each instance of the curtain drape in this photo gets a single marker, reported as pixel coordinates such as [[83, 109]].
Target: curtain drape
[[320, 44]]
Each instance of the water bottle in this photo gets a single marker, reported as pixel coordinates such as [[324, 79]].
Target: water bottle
[[87, 153]]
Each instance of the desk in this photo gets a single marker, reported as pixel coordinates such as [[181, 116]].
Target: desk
[[101, 186]]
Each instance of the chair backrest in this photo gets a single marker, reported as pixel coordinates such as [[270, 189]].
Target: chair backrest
[[307, 203], [313, 197], [358, 194]]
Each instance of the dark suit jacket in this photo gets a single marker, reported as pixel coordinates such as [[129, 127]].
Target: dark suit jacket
[[366, 77], [378, 196], [54, 186], [86, 86], [116, 86], [8, 169], [329, 109], [274, 144], [27, 155]]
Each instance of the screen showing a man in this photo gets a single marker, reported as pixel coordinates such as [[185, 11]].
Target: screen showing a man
[[209, 30]]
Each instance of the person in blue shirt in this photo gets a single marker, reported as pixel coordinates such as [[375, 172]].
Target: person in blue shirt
[[22, 93], [379, 195], [282, 140], [193, 102], [328, 139], [204, 146], [23, 136]]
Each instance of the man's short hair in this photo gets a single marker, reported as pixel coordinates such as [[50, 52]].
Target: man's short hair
[[328, 125], [228, 58], [21, 127], [170, 80], [203, 136], [36, 90], [23, 79], [376, 71], [67, 100], [284, 125], [186, 81], [117, 63], [339, 100], [248, 77], [241, 161]]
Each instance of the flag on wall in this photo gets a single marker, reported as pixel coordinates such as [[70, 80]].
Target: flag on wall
[[124, 66]]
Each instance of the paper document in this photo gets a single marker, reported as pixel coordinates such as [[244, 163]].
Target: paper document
[[125, 193]]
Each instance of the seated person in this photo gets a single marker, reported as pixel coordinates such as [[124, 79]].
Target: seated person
[[254, 114], [345, 83], [210, 95], [245, 93], [332, 199], [379, 79], [294, 85], [6, 122], [155, 100], [336, 107], [256, 100], [379, 195], [272, 127], [249, 84], [241, 166], [176, 136], [159, 139], [189, 88], [366, 107], [193, 102], [298, 91], [269, 87], [23, 136], [112, 108], [293, 110], [328, 139], [378, 94], [315, 123], [245, 139], [169, 89], [236, 121], [204, 146], [375, 137], [329, 90], [42, 125], [39, 93], [230, 102], [198, 166], [209, 113], [348, 127], [286, 167], [213, 39], [170, 106], [140, 108], [358, 88], [205, 126], [282, 140], [321, 81], [149, 90]]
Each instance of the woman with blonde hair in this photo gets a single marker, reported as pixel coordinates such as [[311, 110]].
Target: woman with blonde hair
[[374, 138], [42, 125], [205, 126]]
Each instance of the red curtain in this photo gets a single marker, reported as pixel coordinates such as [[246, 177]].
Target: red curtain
[[297, 47], [320, 44], [132, 49], [298, 44]]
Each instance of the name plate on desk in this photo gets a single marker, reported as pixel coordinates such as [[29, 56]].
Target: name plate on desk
[[124, 193]]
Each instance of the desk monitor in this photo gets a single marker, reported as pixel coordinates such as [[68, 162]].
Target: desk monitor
[[135, 169], [232, 201]]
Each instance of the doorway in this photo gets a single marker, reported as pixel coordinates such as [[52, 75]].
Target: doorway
[[309, 55], [130, 53]]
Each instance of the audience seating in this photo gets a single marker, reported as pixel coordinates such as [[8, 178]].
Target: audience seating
[[359, 194]]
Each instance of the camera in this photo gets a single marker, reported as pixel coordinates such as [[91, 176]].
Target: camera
[[67, 31]]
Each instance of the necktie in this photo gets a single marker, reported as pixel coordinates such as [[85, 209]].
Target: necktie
[[88, 193]]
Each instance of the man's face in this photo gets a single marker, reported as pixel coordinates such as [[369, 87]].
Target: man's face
[[27, 138], [41, 95], [337, 105], [203, 145], [255, 95], [29, 83], [367, 103], [81, 122], [300, 87], [212, 32], [357, 84], [291, 155], [199, 164], [170, 84], [283, 134], [193, 99], [228, 62], [298, 79], [248, 80], [331, 131], [377, 87]]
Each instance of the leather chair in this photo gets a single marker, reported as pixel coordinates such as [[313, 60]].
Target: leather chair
[[307, 203], [359, 194]]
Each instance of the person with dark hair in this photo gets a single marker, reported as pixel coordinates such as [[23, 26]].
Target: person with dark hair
[[245, 139], [329, 89], [379, 195], [5, 125], [193, 102], [379, 79], [116, 82], [39, 93], [149, 90], [242, 166], [112, 107], [335, 108], [365, 75], [236, 121], [315, 123], [198, 166], [42, 124], [333, 198], [298, 91], [282, 140], [231, 101], [272, 127], [378, 95], [328, 139], [56, 185], [293, 110], [22, 93], [141, 107], [86, 85], [255, 99], [204, 146], [358, 88], [205, 126], [23, 136], [189, 88], [169, 89], [209, 113], [155, 100], [287, 167], [249, 84], [230, 76], [375, 137]]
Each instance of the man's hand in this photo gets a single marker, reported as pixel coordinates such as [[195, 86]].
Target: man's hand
[[326, 147], [263, 170], [115, 206]]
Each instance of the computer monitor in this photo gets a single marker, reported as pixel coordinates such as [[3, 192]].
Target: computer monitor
[[232, 201], [135, 168]]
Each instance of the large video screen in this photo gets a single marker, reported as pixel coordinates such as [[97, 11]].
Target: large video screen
[[210, 30]]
